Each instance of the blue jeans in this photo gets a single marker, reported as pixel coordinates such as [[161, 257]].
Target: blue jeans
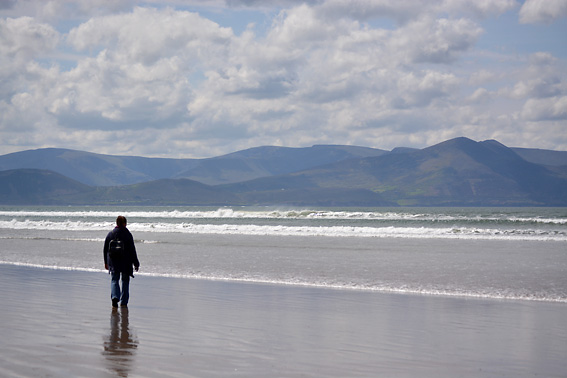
[[115, 292]]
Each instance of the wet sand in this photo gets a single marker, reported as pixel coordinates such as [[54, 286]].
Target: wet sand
[[60, 323]]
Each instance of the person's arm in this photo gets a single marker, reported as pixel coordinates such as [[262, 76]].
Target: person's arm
[[135, 260], [105, 251]]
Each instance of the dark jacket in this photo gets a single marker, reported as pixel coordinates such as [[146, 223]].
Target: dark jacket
[[130, 258]]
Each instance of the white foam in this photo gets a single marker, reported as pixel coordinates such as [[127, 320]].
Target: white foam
[[55, 225], [79, 239], [228, 213], [472, 233], [53, 267]]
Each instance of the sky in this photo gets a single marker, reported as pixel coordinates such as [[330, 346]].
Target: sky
[[197, 79]]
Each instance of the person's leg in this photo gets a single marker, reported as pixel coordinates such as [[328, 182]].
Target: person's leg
[[115, 287], [125, 289]]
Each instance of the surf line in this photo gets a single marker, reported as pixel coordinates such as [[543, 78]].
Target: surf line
[[361, 288]]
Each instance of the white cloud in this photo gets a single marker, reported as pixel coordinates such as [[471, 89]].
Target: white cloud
[[539, 87], [406, 10], [22, 41], [543, 11], [23, 38], [146, 35], [479, 8], [479, 96], [421, 90], [174, 83], [363, 10], [143, 71], [57, 10], [343, 78], [545, 109], [482, 77], [434, 40], [543, 77]]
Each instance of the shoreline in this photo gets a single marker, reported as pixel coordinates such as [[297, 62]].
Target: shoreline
[[394, 291], [60, 322]]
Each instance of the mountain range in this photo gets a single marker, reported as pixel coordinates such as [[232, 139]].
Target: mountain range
[[108, 170], [457, 172]]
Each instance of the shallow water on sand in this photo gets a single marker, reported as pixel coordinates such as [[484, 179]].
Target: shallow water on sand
[[60, 323]]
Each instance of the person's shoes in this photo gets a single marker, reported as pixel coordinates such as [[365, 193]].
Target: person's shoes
[[114, 302], [123, 304]]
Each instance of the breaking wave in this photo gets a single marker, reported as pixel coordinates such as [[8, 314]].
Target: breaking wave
[[227, 213], [453, 232]]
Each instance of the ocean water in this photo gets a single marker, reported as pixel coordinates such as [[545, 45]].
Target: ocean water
[[500, 253]]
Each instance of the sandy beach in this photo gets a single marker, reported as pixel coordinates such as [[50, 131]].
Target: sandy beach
[[60, 323]]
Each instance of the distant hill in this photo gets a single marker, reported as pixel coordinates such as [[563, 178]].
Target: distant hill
[[543, 157], [34, 187], [457, 172], [42, 187], [163, 192], [95, 169], [270, 161], [107, 170]]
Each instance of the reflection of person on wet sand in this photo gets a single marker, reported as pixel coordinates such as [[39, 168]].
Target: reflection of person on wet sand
[[120, 347]]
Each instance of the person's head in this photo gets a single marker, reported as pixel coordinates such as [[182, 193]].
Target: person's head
[[121, 221]]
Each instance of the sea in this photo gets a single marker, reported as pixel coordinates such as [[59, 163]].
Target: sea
[[517, 254]]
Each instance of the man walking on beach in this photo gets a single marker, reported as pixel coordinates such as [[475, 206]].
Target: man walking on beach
[[119, 259]]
